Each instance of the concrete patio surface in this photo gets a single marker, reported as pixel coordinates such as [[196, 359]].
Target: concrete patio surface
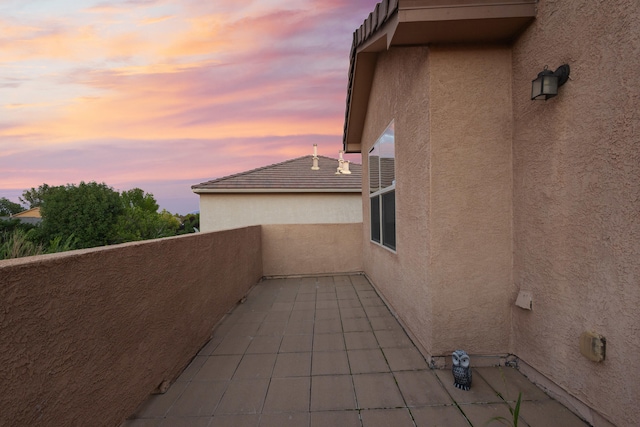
[[326, 351]]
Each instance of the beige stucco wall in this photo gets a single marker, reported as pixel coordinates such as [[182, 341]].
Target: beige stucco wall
[[309, 249], [577, 201], [450, 278], [226, 211], [85, 336], [400, 91]]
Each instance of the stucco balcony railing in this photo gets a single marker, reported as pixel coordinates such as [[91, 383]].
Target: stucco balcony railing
[[87, 336]]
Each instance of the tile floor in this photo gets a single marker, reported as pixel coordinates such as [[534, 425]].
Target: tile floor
[[326, 351]]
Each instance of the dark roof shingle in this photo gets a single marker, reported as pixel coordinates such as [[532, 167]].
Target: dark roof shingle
[[293, 175]]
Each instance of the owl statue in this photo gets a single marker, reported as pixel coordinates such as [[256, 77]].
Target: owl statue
[[461, 370]]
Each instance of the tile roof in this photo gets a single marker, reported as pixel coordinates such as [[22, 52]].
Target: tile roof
[[293, 175]]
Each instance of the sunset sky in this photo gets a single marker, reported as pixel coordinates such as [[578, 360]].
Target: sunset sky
[[164, 94]]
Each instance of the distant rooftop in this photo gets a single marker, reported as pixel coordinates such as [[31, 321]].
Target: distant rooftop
[[293, 176]]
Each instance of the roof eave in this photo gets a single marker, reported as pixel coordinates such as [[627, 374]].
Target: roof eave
[[274, 190], [416, 23]]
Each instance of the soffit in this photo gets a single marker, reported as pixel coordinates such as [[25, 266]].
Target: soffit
[[419, 23]]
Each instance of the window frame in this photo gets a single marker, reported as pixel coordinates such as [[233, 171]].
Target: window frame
[[376, 194]]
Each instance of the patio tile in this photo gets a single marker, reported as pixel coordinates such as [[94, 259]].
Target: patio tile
[[326, 296], [332, 392], [233, 345], [377, 391], [481, 414], [327, 313], [244, 329], [421, 388], [288, 395], [198, 399], [377, 311], [296, 343], [349, 303], [356, 325], [243, 397], [480, 391], [360, 340], [538, 414], [210, 346], [386, 418], [440, 416], [272, 328], [304, 305], [299, 328], [322, 352], [327, 326], [235, 420], [346, 293], [320, 304], [218, 368], [277, 316], [393, 339], [351, 313], [292, 365], [192, 368], [306, 297], [372, 302], [302, 316], [387, 323], [158, 405], [367, 361], [298, 419], [328, 342], [264, 344], [335, 418], [255, 366], [509, 382], [186, 422], [405, 359], [329, 363], [252, 317]]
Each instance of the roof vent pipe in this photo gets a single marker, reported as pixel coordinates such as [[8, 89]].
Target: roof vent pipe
[[315, 166], [345, 168]]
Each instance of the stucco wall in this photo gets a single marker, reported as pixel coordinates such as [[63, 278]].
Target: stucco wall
[[400, 91], [577, 201], [470, 220], [309, 249], [450, 278], [85, 336], [226, 211]]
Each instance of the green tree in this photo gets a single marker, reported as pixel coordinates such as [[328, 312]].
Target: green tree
[[35, 196], [140, 219], [88, 211], [7, 207], [190, 223]]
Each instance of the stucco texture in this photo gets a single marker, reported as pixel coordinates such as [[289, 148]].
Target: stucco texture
[[85, 336], [227, 211], [450, 278], [577, 201], [400, 92], [311, 249]]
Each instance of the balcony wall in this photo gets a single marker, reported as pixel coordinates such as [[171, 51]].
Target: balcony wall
[[311, 249], [85, 336]]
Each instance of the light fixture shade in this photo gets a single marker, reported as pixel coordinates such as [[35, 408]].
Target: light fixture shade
[[546, 85]]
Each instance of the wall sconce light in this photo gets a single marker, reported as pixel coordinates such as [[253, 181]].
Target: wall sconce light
[[546, 85]]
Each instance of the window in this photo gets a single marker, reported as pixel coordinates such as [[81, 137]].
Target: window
[[382, 189]]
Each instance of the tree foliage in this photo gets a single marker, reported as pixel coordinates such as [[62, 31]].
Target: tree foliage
[[8, 208], [89, 211], [35, 196], [88, 215]]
